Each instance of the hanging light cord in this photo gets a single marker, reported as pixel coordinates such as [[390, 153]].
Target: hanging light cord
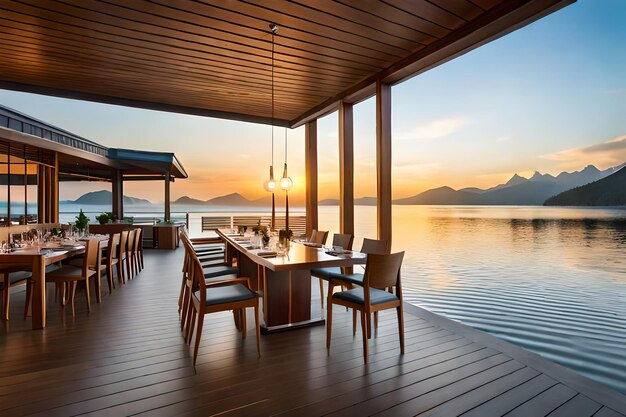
[[285, 145], [273, 28]]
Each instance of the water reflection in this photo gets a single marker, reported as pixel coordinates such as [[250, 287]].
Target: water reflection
[[549, 279]]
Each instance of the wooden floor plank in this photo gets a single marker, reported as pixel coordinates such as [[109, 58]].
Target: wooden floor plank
[[507, 401], [544, 403], [579, 406]]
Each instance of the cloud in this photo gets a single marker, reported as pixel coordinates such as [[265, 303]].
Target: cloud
[[434, 129], [504, 138], [605, 154]]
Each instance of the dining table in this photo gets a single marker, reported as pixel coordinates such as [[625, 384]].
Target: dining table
[[36, 258], [284, 279]]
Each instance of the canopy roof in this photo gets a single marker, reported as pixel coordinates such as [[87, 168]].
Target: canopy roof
[[214, 58], [81, 158]]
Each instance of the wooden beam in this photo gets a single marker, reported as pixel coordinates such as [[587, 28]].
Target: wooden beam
[[310, 158], [346, 168], [117, 191], [167, 202], [383, 160], [142, 104]]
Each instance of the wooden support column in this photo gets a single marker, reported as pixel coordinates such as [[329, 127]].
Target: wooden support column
[[54, 191], [42, 213], [117, 191], [383, 160], [310, 161], [167, 203], [346, 168]]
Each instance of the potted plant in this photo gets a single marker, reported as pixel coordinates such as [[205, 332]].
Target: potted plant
[[103, 218], [262, 232], [82, 221]]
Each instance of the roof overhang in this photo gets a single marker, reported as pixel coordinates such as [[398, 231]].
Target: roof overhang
[[213, 59]]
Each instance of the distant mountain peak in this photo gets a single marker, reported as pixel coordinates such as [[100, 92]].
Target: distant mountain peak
[[516, 179], [590, 168]]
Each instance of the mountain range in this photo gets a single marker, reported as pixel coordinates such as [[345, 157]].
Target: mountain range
[[609, 191], [104, 197], [233, 200], [517, 191]]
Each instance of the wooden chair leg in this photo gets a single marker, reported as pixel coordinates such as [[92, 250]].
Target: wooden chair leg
[[184, 313], [353, 322], [110, 278], [29, 299], [120, 270], [369, 327], [86, 295], [329, 319], [129, 275], [364, 326], [73, 291], [182, 291], [190, 325], [243, 323], [257, 327], [97, 285], [376, 322], [322, 291], [401, 327], [198, 335]]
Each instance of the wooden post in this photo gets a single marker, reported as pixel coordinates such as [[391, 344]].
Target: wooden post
[[42, 215], [167, 197], [346, 168], [117, 191], [383, 160], [310, 157], [54, 191]]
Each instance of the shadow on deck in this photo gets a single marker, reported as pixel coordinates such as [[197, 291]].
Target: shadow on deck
[[127, 357]]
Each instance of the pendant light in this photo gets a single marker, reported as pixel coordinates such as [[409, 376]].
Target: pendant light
[[285, 182], [270, 185]]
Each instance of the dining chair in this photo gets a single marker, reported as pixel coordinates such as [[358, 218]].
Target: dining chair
[[10, 280], [122, 256], [111, 260], [70, 274], [134, 253], [382, 272], [349, 280], [211, 274], [130, 244], [318, 237], [343, 241], [140, 248], [234, 294]]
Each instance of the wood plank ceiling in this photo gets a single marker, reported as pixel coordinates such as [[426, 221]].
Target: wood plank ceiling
[[213, 58]]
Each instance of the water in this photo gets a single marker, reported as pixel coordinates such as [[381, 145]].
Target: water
[[552, 280]]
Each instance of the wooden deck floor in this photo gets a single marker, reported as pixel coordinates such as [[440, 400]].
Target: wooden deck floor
[[127, 357]]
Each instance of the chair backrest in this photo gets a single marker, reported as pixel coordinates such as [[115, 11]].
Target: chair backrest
[[383, 271], [343, 240], [137, 239], [374, 246], [123, 243], [91, 261], [318, 237], [114, 241], [131, 242]]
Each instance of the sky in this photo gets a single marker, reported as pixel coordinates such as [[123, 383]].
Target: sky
[[549, 97]]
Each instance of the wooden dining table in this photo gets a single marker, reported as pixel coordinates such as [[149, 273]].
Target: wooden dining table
[[284, 281], [35, 259]]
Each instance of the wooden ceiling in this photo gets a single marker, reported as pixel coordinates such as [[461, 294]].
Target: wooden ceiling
[[213, 58]]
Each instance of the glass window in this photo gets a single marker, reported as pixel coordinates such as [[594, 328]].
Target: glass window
[[31, 193]]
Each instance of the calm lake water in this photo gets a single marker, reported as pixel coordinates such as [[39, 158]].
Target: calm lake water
[[552, 280]]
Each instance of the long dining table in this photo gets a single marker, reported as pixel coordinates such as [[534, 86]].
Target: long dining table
[[36, 259], [284, 281]]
